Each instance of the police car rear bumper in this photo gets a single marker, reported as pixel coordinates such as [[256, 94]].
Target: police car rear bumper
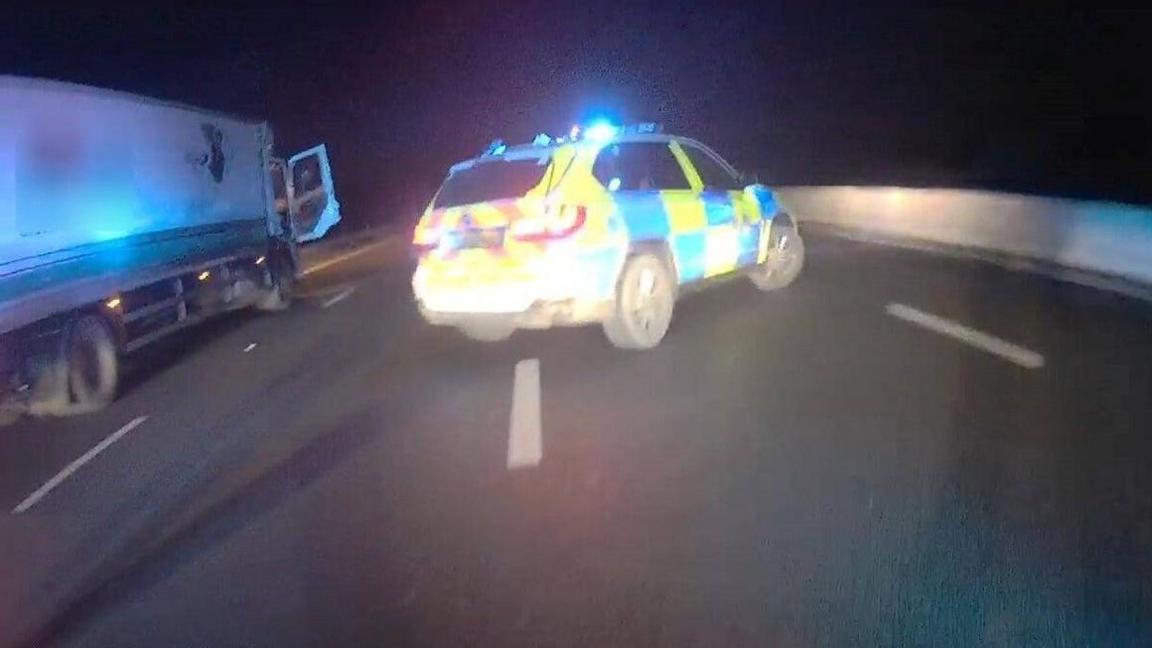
[[536, 315]]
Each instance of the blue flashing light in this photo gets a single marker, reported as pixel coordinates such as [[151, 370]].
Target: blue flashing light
[[601, 132], [541, 140]]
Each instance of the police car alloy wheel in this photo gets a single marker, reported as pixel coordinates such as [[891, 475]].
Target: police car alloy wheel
[[645, 297], [784, 262]]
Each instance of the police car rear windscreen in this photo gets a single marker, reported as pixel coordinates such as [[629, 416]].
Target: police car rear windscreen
[[491, 180]]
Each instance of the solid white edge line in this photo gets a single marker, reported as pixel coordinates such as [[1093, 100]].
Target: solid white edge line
[[1011, 352], [343, 257], [41, 492], [525, 446], [331, 301]]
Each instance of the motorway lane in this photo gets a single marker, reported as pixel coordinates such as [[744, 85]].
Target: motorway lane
[[796, 468], [204, 397]]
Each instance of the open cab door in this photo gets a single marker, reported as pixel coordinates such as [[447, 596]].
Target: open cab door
[[310, 194]]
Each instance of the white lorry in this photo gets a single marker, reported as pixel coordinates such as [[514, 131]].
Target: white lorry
[[124, 219]]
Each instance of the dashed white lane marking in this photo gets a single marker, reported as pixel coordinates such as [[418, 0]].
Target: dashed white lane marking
[[994, 345], [525, 447], [251, 345], [43, 491], [339, 297], [343, 257]]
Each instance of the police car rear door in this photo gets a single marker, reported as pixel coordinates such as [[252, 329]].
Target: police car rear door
[[719, 190], [655, 199]]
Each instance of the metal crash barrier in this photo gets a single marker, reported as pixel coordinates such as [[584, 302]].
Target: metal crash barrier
[[1108, 240]]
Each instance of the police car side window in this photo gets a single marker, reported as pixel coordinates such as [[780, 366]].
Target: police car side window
[[607, 168], [666, 171], [712, 174], [638, 166]]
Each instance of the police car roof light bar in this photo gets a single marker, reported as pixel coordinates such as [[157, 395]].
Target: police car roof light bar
[[595, 132]]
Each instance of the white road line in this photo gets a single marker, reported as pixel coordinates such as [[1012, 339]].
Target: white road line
[[338, 298], [251, 345], [524, 443], [343, 257], [41, 492], [1010, 352]]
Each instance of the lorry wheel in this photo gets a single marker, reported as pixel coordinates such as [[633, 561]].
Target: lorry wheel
[[9, 415], [48, 384], [276, 298], [93, 364], [784, 262], [645, 296], [282, 279], [13, 396], [487, 331]]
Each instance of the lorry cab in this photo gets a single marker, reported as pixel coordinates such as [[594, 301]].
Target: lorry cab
[[303, 194], [127, 219]]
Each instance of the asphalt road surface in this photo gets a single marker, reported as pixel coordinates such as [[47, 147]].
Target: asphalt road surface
[[900, 449]]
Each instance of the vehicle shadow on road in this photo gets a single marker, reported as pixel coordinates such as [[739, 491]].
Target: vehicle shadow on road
[[154, 360], [162, 549]]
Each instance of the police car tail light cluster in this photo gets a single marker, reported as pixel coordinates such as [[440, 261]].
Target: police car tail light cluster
[[422, 247], [557, 222], [425, 239]]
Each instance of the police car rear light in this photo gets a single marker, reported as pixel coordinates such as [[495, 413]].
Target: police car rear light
[[422, 248], [558, 222], [425, 240]]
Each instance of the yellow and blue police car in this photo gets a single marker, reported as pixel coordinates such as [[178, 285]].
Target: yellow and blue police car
[[607, 226]]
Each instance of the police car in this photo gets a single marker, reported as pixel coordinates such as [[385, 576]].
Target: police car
[[606, 226]]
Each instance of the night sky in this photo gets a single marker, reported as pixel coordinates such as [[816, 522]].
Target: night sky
[[1045, 101]]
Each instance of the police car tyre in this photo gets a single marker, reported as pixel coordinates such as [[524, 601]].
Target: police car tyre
[[93, 363], [645, 297], [784, 263], [487, 331]]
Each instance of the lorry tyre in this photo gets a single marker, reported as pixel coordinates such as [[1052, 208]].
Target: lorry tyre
[[645, 297], [13, 403], [276, 298], [48, 382], [281, 281], [784, 262], [9, 415], [93, 363]]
